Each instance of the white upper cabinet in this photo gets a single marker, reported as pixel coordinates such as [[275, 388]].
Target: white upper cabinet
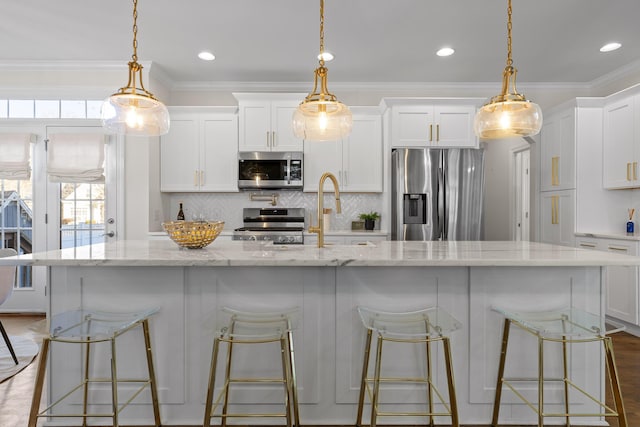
[[621, 151], [433, 125], [558, 152], [200, 152], [355, 161], [266, 122]]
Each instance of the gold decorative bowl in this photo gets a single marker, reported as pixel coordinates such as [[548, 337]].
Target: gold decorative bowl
[[193, 234]]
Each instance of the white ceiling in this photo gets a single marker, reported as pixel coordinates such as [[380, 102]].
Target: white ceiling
[[375, 41]]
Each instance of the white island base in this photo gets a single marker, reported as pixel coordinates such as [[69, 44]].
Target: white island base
[[327, 285]]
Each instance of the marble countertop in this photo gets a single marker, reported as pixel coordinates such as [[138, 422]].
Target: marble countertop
[[619, 236], [386, 254]]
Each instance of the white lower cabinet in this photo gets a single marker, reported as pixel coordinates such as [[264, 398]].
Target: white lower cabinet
[[621, 282], [557, 217]]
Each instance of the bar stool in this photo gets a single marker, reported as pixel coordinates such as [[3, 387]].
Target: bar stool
[[422, 326], [564, 326], [91, 327], [244, 328]]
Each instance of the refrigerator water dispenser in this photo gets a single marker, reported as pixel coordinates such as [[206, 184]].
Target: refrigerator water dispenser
[[415, 209]]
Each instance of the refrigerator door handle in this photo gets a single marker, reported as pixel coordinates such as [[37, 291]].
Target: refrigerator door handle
[[442, 230]]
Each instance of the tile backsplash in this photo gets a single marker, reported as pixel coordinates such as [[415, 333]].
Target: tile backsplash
[[227, 207]]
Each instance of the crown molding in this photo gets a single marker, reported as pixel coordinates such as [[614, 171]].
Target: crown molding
[[237, 86], [38, 65], [616, 75], [157, 73]]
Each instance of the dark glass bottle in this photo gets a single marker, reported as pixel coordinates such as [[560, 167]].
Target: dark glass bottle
[[180, 214]]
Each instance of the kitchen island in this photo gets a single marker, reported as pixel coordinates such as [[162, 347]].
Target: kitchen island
[[327, 284]]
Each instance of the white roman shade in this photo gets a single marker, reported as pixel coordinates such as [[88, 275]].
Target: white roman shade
[[15, 154], [77, 157]]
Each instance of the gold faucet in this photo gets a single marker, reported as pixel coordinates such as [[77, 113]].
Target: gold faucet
[[320, 228]]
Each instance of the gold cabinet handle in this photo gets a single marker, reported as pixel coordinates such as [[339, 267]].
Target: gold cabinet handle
[[555, 180], [195, 178], [268, 144], [635, 169], [553, 209], [438, 132], [614, 248], [273, 138], [587, 245], [430, 133], [201, 178], [628, 171]]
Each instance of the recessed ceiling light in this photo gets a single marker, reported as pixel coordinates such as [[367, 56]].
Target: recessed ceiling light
[[610, 46], [206, 56], [327, 56], [445, 51]]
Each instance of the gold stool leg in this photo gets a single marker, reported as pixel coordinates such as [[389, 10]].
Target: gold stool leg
[[376, 382], [615, 382], [565, 368], [37, 389], [114, 383], [294, 382], [227, 376], [453, 402], [429, 378], [212, 383], [363, 381], [85, 396], [540, 382], [286, 380], [503, 357], [152, 374]]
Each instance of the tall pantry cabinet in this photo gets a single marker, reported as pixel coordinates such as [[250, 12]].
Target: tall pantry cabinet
[[558, 177], [574, 198], [571, 190]]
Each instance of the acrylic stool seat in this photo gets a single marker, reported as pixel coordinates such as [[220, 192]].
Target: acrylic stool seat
[[245, 328], [90, 327], [423, 326], [564, 326]]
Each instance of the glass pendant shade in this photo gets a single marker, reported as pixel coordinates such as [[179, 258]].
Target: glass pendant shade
[[509, 114], [321, 117], [134, 110]]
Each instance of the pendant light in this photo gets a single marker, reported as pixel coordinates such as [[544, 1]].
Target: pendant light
[[509, 114], [134, 110], [321, 117]]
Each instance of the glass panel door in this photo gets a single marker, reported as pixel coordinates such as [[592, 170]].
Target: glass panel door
[[16, 223]]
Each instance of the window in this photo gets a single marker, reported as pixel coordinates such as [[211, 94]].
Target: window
[[16, 222], [82, 214]]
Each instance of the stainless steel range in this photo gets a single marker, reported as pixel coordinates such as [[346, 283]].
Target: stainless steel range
[[280, 225]]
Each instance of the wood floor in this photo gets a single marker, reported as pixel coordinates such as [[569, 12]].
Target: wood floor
[[15, 394]]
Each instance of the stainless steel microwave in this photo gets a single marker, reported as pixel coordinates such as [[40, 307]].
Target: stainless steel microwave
[[269, 169]]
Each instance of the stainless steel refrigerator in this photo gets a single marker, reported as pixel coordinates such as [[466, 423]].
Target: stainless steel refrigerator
[[437, 194]]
